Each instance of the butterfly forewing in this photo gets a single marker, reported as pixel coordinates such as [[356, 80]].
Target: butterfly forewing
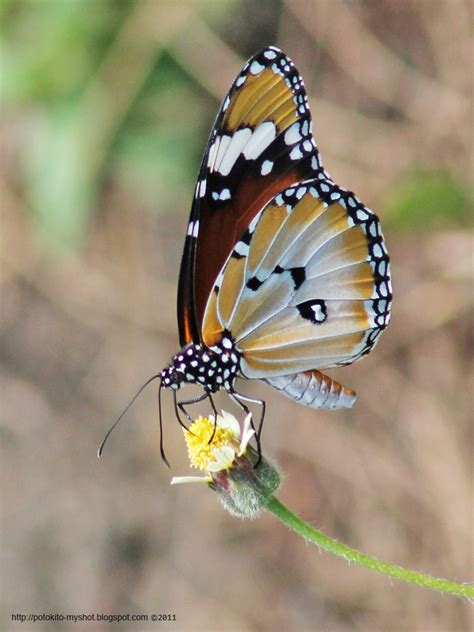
[[260, 144]]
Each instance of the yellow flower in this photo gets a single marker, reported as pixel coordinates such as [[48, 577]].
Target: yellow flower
[[226, 444], [229, 462]]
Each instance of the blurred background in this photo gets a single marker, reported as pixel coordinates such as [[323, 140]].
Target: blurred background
[[106, 110]]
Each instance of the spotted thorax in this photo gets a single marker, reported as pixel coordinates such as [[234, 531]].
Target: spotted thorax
[[213, 367]]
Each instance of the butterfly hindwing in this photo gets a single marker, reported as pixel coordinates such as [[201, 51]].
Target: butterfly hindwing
[[315, 293], [261, 143]]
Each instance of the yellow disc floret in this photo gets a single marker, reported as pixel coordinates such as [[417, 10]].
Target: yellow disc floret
[[200, 451]]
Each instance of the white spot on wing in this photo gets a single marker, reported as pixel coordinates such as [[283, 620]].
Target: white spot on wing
[[212, 153], [319, 315], [267, 166], [295, 153], [292, 135], [300, 192], [362, 215], [226, 159], [222, 150], [263, 136], [201, 191], [377, 251], [254, 222], [255, 68], [241, 249]]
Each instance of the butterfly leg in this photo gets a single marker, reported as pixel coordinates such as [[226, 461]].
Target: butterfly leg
[[215, 416], [251, 400], [176, 411], [162, 447], [181, 406], [239, 399]]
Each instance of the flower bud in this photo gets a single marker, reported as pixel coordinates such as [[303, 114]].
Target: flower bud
[[243, 489]]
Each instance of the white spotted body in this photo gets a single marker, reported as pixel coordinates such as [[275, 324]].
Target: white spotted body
[[212, 368]]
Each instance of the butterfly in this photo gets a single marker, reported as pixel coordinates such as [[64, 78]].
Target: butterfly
[[284, 273]]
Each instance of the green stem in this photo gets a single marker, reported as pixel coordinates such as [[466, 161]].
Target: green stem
[[341, 550]]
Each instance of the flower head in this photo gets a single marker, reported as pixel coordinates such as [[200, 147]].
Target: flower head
[[221, 449]]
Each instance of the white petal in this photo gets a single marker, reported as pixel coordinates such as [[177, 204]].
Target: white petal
[[224, 457], [226, 420], [176, 480], [247, 434]]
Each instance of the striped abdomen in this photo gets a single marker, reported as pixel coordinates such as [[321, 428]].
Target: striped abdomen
[[314, 389]]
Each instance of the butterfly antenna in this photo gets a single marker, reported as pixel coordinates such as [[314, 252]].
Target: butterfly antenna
[[162, 449], [116, 422]]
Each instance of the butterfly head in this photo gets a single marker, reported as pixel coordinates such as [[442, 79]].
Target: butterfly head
[[213, 367]]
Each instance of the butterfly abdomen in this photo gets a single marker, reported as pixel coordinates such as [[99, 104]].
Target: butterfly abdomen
[[213, 367], [314, 389]]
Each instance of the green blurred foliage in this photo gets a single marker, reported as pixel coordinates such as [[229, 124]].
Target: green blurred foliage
[[52, 53], [428, 200], [51, 49], [160, 144]]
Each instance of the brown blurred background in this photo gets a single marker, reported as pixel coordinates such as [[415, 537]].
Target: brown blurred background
[[106, 111]]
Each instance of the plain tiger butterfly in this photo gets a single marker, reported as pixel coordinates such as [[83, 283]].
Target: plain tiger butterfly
[[284, 273]]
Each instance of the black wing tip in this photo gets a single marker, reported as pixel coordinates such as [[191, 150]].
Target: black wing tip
[[266, 49], [272, 47]]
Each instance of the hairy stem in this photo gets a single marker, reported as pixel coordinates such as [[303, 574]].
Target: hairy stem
[[341, 550]]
